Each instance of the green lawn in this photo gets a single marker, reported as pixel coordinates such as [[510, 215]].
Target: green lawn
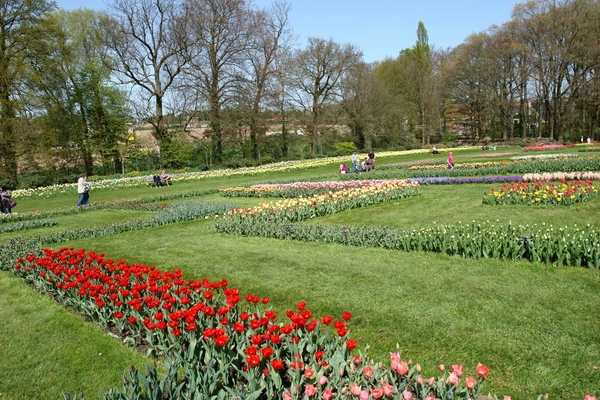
[[535, 326]]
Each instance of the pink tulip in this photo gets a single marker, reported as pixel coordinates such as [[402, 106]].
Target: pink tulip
[[453, 379], [402, 368], [355, 389], [310, 390], [376, 393], [406, 395], [322, 380], [368, 372], [470, 382], [457, 370], [442, 368], [364, 395], [388, 390], [287, 396], [327, 394]]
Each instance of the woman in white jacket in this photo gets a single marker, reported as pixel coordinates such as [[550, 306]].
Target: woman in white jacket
[[83, 188]]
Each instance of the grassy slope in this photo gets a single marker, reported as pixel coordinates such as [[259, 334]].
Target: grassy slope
[[535, 326]]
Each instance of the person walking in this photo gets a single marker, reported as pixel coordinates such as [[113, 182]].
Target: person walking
[[450, 160], [83, 188]]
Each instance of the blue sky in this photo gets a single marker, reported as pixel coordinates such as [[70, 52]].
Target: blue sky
[[381, 28]]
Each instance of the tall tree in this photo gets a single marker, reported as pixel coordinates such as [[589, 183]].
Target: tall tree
[[418, 84], [82, 107], [150, 42], [557, 35], [220, 31], [271, 36], [21, 37], [356, 101], [318, 72]]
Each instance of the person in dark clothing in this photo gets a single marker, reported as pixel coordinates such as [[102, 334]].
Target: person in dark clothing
[[371, 156], [156, 178], [5, 196]]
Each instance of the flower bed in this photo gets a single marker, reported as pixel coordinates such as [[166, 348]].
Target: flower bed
[[564, 246], [546, 147], [225, 347], [506, 167], [449, 181], [544, 156], [299, 209], [559, 176], [297, 189], [542, 193]]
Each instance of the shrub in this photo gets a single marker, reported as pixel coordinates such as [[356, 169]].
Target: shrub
[[345, 148]]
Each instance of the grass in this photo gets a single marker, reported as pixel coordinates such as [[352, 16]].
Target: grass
[[535, 326]]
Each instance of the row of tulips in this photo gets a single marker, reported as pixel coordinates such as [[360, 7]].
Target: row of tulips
[[546, 147], [542, 193], [302, 208], [296, 189], [516, 167], [559, 176], [225, 344], [543, 156], [571, 246], [146, 203], [24, 225]]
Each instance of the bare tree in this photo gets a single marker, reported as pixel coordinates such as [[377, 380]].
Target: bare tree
[[557, 35], [271, 36], [473, 87], [318, 71], [150, 43], [356, 92], [220, 30]]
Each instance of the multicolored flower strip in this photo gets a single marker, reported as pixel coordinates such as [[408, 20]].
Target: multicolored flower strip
[[226, 344], [543, 156], [302, 208], [546, 147], [559, 176], [542, 193], [297, 189], [454, 181]]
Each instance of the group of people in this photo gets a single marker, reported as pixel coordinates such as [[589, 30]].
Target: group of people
[[367, 164], [6, 201], [162, 179], [588, 140]]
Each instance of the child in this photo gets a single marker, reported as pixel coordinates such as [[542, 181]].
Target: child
[[450, 160]]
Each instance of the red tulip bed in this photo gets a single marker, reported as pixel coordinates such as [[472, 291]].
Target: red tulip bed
[[218, 343]]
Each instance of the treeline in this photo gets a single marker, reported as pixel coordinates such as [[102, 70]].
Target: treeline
[[74, 85]]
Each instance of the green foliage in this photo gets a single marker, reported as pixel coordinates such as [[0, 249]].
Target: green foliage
[[21, 226], [345, 147]]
